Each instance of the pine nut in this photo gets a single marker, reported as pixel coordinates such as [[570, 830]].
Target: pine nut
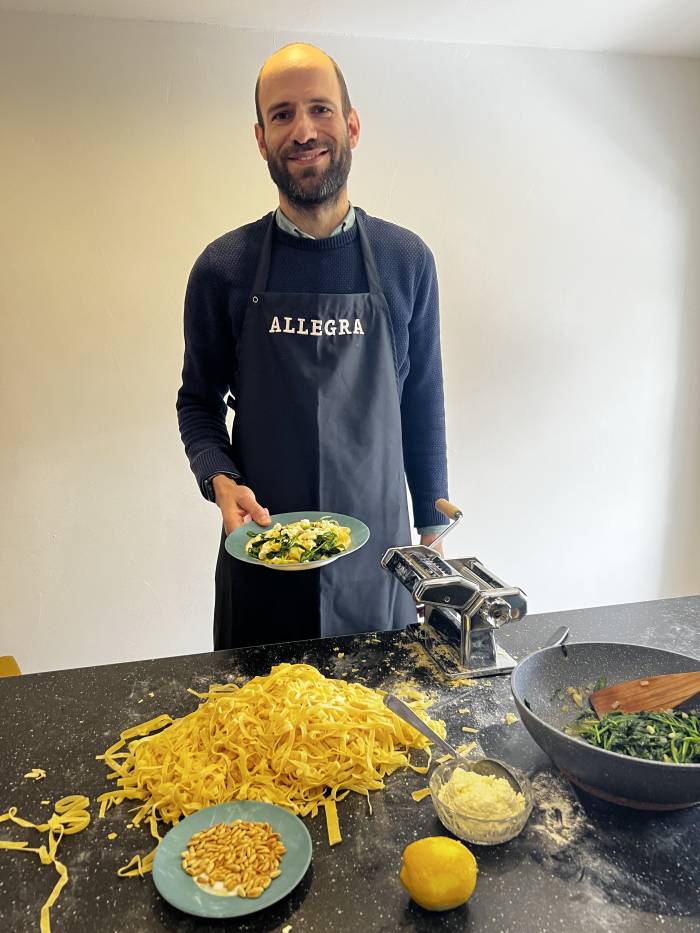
[[243, 856]]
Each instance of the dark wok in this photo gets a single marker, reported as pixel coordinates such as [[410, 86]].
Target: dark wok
[[537, 683]]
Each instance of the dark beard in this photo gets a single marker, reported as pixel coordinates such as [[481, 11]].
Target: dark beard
[[314, 187]]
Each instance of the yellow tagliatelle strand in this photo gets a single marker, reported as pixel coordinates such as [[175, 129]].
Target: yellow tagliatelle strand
[[332, 825], [294, 738], [70, 816]]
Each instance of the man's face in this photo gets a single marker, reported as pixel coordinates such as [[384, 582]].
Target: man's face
[[306, 140]]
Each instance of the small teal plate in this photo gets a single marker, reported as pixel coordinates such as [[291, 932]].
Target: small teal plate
[[237, 540], [180, 889]]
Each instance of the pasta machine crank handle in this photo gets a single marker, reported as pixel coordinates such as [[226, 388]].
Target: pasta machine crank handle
[[449, 511]]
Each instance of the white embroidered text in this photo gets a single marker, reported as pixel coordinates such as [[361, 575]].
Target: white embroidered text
[[315, 328]]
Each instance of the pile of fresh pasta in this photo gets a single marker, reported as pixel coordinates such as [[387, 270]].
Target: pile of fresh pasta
[[294, 738]]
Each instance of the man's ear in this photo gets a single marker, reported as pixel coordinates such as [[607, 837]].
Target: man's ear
[[260, 139], [353, 127]]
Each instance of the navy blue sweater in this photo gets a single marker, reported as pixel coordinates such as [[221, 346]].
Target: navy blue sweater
[[217, 292]]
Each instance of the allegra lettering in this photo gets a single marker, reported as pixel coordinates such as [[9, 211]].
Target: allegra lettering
[[315, 328]]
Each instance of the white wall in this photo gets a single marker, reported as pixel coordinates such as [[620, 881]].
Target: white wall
[[560, 193]]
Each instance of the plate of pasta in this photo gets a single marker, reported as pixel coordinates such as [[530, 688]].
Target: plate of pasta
[[298, 540]]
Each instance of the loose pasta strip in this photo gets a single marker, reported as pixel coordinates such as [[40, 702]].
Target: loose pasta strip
[[332, 825], [294, 738], [70, 816]]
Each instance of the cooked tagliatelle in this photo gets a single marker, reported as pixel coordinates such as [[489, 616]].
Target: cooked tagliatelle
[[294, 738], [299, 542]]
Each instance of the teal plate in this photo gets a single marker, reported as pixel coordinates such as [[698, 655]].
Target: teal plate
[[179, 888], [237, 540]]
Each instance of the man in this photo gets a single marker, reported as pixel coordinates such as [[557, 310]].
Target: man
[[319, 326]]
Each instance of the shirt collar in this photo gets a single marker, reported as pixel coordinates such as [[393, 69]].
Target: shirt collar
[[284, 223]]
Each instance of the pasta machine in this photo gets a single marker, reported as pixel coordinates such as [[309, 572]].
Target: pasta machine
[[463, 605]]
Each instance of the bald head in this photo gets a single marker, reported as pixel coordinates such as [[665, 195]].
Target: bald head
[[290, 59]]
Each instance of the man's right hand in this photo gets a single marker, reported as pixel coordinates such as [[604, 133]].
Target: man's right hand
[[238, 504]]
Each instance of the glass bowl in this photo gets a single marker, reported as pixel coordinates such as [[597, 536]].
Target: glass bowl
[[476, 829]]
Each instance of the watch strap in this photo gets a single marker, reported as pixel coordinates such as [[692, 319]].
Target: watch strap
[[208, 484]]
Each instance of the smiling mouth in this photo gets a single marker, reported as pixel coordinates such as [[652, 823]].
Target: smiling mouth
[[308, 158]]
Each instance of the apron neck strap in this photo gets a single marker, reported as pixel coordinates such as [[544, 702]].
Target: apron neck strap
[[262, 272], [373, 283]]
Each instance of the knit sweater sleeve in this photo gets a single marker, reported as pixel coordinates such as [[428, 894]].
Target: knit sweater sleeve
[[209, 346], [423, 403]]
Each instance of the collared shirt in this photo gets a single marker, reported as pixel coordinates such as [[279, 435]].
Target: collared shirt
[[284, 223]]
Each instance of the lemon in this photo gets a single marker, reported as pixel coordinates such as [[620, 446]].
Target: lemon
[[438, 872]]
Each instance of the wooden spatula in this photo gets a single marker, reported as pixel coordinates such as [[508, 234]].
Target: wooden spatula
[[648, 693]]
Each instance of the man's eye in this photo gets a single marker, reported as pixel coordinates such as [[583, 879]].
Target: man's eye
[[281, 115], [319, 108]]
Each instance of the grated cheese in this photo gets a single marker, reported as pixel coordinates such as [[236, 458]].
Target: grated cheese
[[483, 796]]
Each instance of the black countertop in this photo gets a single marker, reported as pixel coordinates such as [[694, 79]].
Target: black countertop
[[580, 864]]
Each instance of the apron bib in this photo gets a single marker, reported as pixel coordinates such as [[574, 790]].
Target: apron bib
[[317, 426]]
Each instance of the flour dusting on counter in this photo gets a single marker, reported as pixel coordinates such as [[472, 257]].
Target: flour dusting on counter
[[561, 819]]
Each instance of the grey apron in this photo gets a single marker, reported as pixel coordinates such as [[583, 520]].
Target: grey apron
[[317, 427]]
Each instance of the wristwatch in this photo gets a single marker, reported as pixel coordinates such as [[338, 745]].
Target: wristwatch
[[208, 485]]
